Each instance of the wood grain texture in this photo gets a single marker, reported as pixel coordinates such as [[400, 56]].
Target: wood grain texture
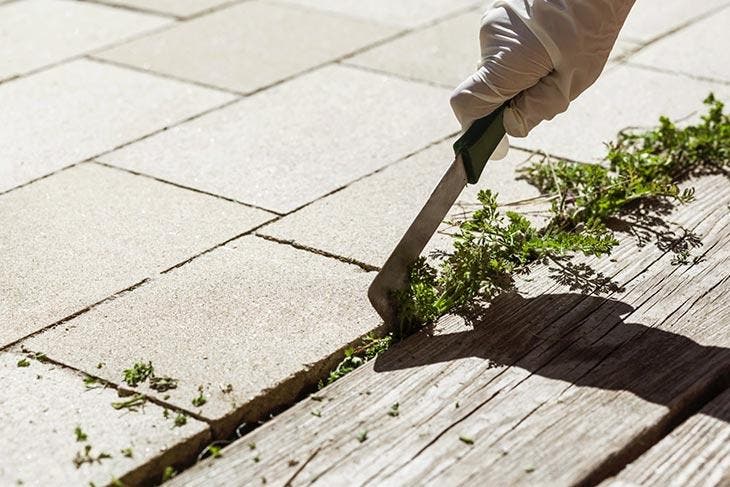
[[697, 453], [552, 386]]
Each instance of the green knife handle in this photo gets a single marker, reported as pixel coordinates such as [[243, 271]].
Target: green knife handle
[[478, 143]]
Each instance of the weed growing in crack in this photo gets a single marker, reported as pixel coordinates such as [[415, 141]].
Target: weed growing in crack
[[168, 474], [638, 185], [213, 450], [39, 356], [370, 348]]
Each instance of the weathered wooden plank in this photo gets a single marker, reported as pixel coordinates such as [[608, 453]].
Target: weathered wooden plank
[[697, 453], [551, 386]]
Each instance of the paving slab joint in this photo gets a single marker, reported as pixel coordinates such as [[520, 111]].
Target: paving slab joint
[[699, 397], [28, 183], [181, 186], [360, 178], [131, 8], [180, 18], [75, 314], [405, 30], [347, 260], [206, 251], [674, 30], [150, 72], [383, 72], [684, 74]]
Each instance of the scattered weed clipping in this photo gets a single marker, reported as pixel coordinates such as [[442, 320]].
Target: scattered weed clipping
[[138, 373]]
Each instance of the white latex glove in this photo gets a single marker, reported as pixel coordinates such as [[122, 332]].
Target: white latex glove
[[541, 54]]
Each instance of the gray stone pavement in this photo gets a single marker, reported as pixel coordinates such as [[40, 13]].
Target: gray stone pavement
[[52, 119], [30, 24], [86, 233], [43, 404], [208, 185], [248, 46]]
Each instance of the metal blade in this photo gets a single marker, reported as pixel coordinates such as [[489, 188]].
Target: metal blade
[[394, 273]]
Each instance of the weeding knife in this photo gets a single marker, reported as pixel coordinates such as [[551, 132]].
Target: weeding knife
[[473, 149]]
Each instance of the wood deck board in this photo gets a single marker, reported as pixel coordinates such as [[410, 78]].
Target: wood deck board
[[540, 382], [697, 453]]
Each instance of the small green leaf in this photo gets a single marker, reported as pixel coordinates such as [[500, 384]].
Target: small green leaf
[[215, 451], [200, 399], [138, 373], [168, 473], [394, 410], [80, 435], [180, 420]]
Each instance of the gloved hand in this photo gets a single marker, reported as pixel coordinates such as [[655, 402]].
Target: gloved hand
[[541, 54]]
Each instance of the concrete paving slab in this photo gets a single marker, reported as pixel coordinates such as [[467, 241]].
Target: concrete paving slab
[[178, 8], [404, 13], [445, 53], [688, 51], [248, 46], [36, 33], [43, 404], [258, 315], [648, 20], [291, 144], [80, 235], [367, 219], [623, 97], [77, 110]]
